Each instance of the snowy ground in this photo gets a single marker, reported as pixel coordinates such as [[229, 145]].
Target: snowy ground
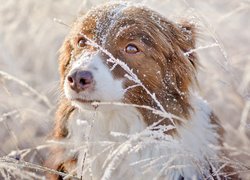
[[29, 40]]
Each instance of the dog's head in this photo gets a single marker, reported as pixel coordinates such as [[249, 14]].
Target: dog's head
[[151, 46]]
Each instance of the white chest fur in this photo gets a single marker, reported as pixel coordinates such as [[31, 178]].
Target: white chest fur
[[118, 145]]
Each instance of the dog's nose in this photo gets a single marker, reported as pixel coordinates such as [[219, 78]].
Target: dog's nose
[[80, 80]]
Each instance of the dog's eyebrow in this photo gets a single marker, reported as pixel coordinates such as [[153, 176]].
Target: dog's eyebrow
[[145, 38]]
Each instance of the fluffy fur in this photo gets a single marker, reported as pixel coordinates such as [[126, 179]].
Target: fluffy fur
[[121, 141]]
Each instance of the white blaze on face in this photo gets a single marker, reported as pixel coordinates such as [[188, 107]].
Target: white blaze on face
[[105, 87]]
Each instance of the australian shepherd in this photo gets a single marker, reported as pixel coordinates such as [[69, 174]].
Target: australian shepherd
[[129, 108]]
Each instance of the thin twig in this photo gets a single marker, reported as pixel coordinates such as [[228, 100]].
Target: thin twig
[[41, 97]]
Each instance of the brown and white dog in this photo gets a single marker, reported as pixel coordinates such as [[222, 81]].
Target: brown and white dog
[[129, 108]]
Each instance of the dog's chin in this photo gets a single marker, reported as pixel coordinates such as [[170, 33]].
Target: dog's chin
[[84, 104], [92, 105]]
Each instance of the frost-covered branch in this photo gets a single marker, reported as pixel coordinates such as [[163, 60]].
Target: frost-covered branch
[[11, 163], [200, 48], [154, 111]]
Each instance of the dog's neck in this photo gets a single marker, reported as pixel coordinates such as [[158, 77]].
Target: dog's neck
[[121, 124], [105, 122]]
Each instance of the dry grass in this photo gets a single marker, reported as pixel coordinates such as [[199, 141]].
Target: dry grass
[[29, 40]]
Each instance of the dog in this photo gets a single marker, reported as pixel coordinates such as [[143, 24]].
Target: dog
[[130, 109]]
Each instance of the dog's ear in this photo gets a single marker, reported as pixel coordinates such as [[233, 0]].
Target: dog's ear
[[64, 58], [183, 35], [184, 60], [188, 42], [189, 31]]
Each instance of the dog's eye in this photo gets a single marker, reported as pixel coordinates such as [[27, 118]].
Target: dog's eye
[[81, 42], [131, 49]]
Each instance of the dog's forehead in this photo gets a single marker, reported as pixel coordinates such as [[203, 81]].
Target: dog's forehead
[[103, 21]]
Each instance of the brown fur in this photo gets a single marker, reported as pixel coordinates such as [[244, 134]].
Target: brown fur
[[164, 44]]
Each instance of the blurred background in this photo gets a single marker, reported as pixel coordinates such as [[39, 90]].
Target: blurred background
[[29, 80]]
